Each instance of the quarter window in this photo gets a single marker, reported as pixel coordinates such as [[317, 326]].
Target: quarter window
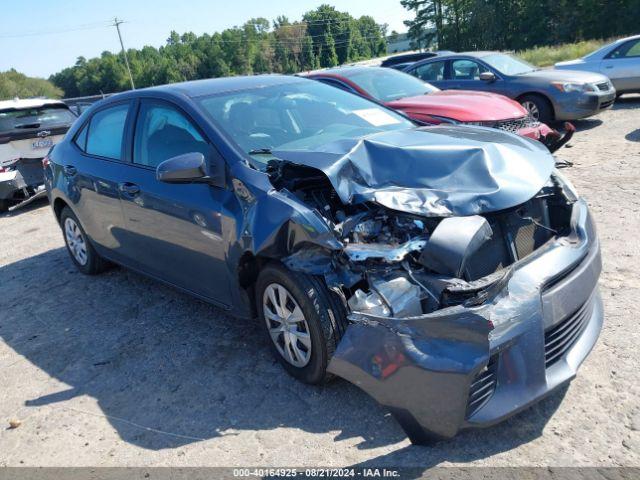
[[81, 138], [466, 70], [430, 72], [106, 131], [162, 133]]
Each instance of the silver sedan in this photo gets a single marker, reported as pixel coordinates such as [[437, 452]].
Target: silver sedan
[[620, 61]]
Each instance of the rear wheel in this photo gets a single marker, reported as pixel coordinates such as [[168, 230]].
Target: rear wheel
[[303, 320], [80, 249], [538, 107], [4, 205]]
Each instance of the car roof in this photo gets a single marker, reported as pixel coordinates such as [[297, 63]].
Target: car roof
[[19, 103], [625, 39], [346, 70], [453, 55], [212, 86], [407, 57]]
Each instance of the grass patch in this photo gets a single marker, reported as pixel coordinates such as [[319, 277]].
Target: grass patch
[[547, 56]]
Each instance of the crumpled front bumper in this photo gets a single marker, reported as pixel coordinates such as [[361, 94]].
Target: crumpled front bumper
[[423, 368], [552, 139]]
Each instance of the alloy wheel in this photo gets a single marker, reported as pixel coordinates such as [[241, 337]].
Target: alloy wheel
[[532, 108], [287, 325], [75, 241]]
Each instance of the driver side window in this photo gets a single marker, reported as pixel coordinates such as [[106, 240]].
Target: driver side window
[[162, 132], [466, 70]]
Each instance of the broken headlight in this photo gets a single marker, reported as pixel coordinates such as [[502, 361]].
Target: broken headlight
[[567, 187]]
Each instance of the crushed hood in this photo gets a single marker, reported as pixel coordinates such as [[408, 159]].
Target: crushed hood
[[433, 171], [463, 106]]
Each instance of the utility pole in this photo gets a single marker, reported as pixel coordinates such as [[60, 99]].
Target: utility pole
[[116, 23]]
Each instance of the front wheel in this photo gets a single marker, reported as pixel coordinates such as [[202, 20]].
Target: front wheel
[[303, 320], [82, 253], [538, 108]]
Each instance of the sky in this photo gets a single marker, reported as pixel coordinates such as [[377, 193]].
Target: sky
[[39, 37]]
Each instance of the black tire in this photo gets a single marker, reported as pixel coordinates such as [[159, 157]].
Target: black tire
[[4, 205], [545, 110], [323, 312], [94, 263]]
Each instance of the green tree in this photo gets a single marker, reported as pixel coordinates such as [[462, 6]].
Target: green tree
[[324, 37], [15, 84]]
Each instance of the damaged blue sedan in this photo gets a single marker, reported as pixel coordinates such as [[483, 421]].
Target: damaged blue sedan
[[448, 271]]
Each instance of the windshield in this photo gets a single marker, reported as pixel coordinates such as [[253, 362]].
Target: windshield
[[296, 116], [507, 64], [388, 85], [32, 118], [597, 53]]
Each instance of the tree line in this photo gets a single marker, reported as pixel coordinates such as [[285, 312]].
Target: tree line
[[324, 37], [518, 24], [15, 84]]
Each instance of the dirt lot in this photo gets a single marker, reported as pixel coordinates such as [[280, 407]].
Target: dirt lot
[[118, 370]]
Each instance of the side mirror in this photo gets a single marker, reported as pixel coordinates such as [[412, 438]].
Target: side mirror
[[186, 168], [488, 77]]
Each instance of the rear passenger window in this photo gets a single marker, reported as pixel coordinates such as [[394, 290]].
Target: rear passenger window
[[430, 72], [106, 131]]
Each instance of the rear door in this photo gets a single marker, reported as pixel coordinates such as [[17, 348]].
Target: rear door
[[92, 171], [622, 66], [174, 231]]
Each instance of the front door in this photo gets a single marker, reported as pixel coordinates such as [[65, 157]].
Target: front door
[[465, 75], [174, 231], [432, 72], [622, 66]]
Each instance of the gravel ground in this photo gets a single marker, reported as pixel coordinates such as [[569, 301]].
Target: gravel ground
[[118, 370]]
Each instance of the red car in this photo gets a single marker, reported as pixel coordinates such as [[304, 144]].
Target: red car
[[425, 103]]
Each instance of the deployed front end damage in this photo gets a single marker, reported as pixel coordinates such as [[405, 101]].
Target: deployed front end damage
[[467, 267]]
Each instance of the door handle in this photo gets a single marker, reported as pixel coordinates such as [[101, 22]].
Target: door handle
[[130, 189], [70, 170], [608, 66]]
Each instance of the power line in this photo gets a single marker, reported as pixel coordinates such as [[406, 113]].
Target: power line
[[88, 26]]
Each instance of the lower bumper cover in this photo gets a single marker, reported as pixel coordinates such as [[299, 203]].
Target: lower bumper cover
[[575, 106], [27, 174], [422, 368]]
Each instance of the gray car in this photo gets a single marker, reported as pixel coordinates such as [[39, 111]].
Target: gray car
[[548, 95], [448, 271], [620, 61]]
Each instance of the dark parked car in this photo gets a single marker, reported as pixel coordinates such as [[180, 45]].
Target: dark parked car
[[402, 61], [448, 271], [548, 95]]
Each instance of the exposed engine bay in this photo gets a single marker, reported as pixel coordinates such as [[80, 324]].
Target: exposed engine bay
[[401, 265]]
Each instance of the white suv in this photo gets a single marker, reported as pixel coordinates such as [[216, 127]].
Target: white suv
[[28, 129]]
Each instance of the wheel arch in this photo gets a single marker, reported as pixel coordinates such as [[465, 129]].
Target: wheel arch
[[544, 96], [58, 206], [247, 272]]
